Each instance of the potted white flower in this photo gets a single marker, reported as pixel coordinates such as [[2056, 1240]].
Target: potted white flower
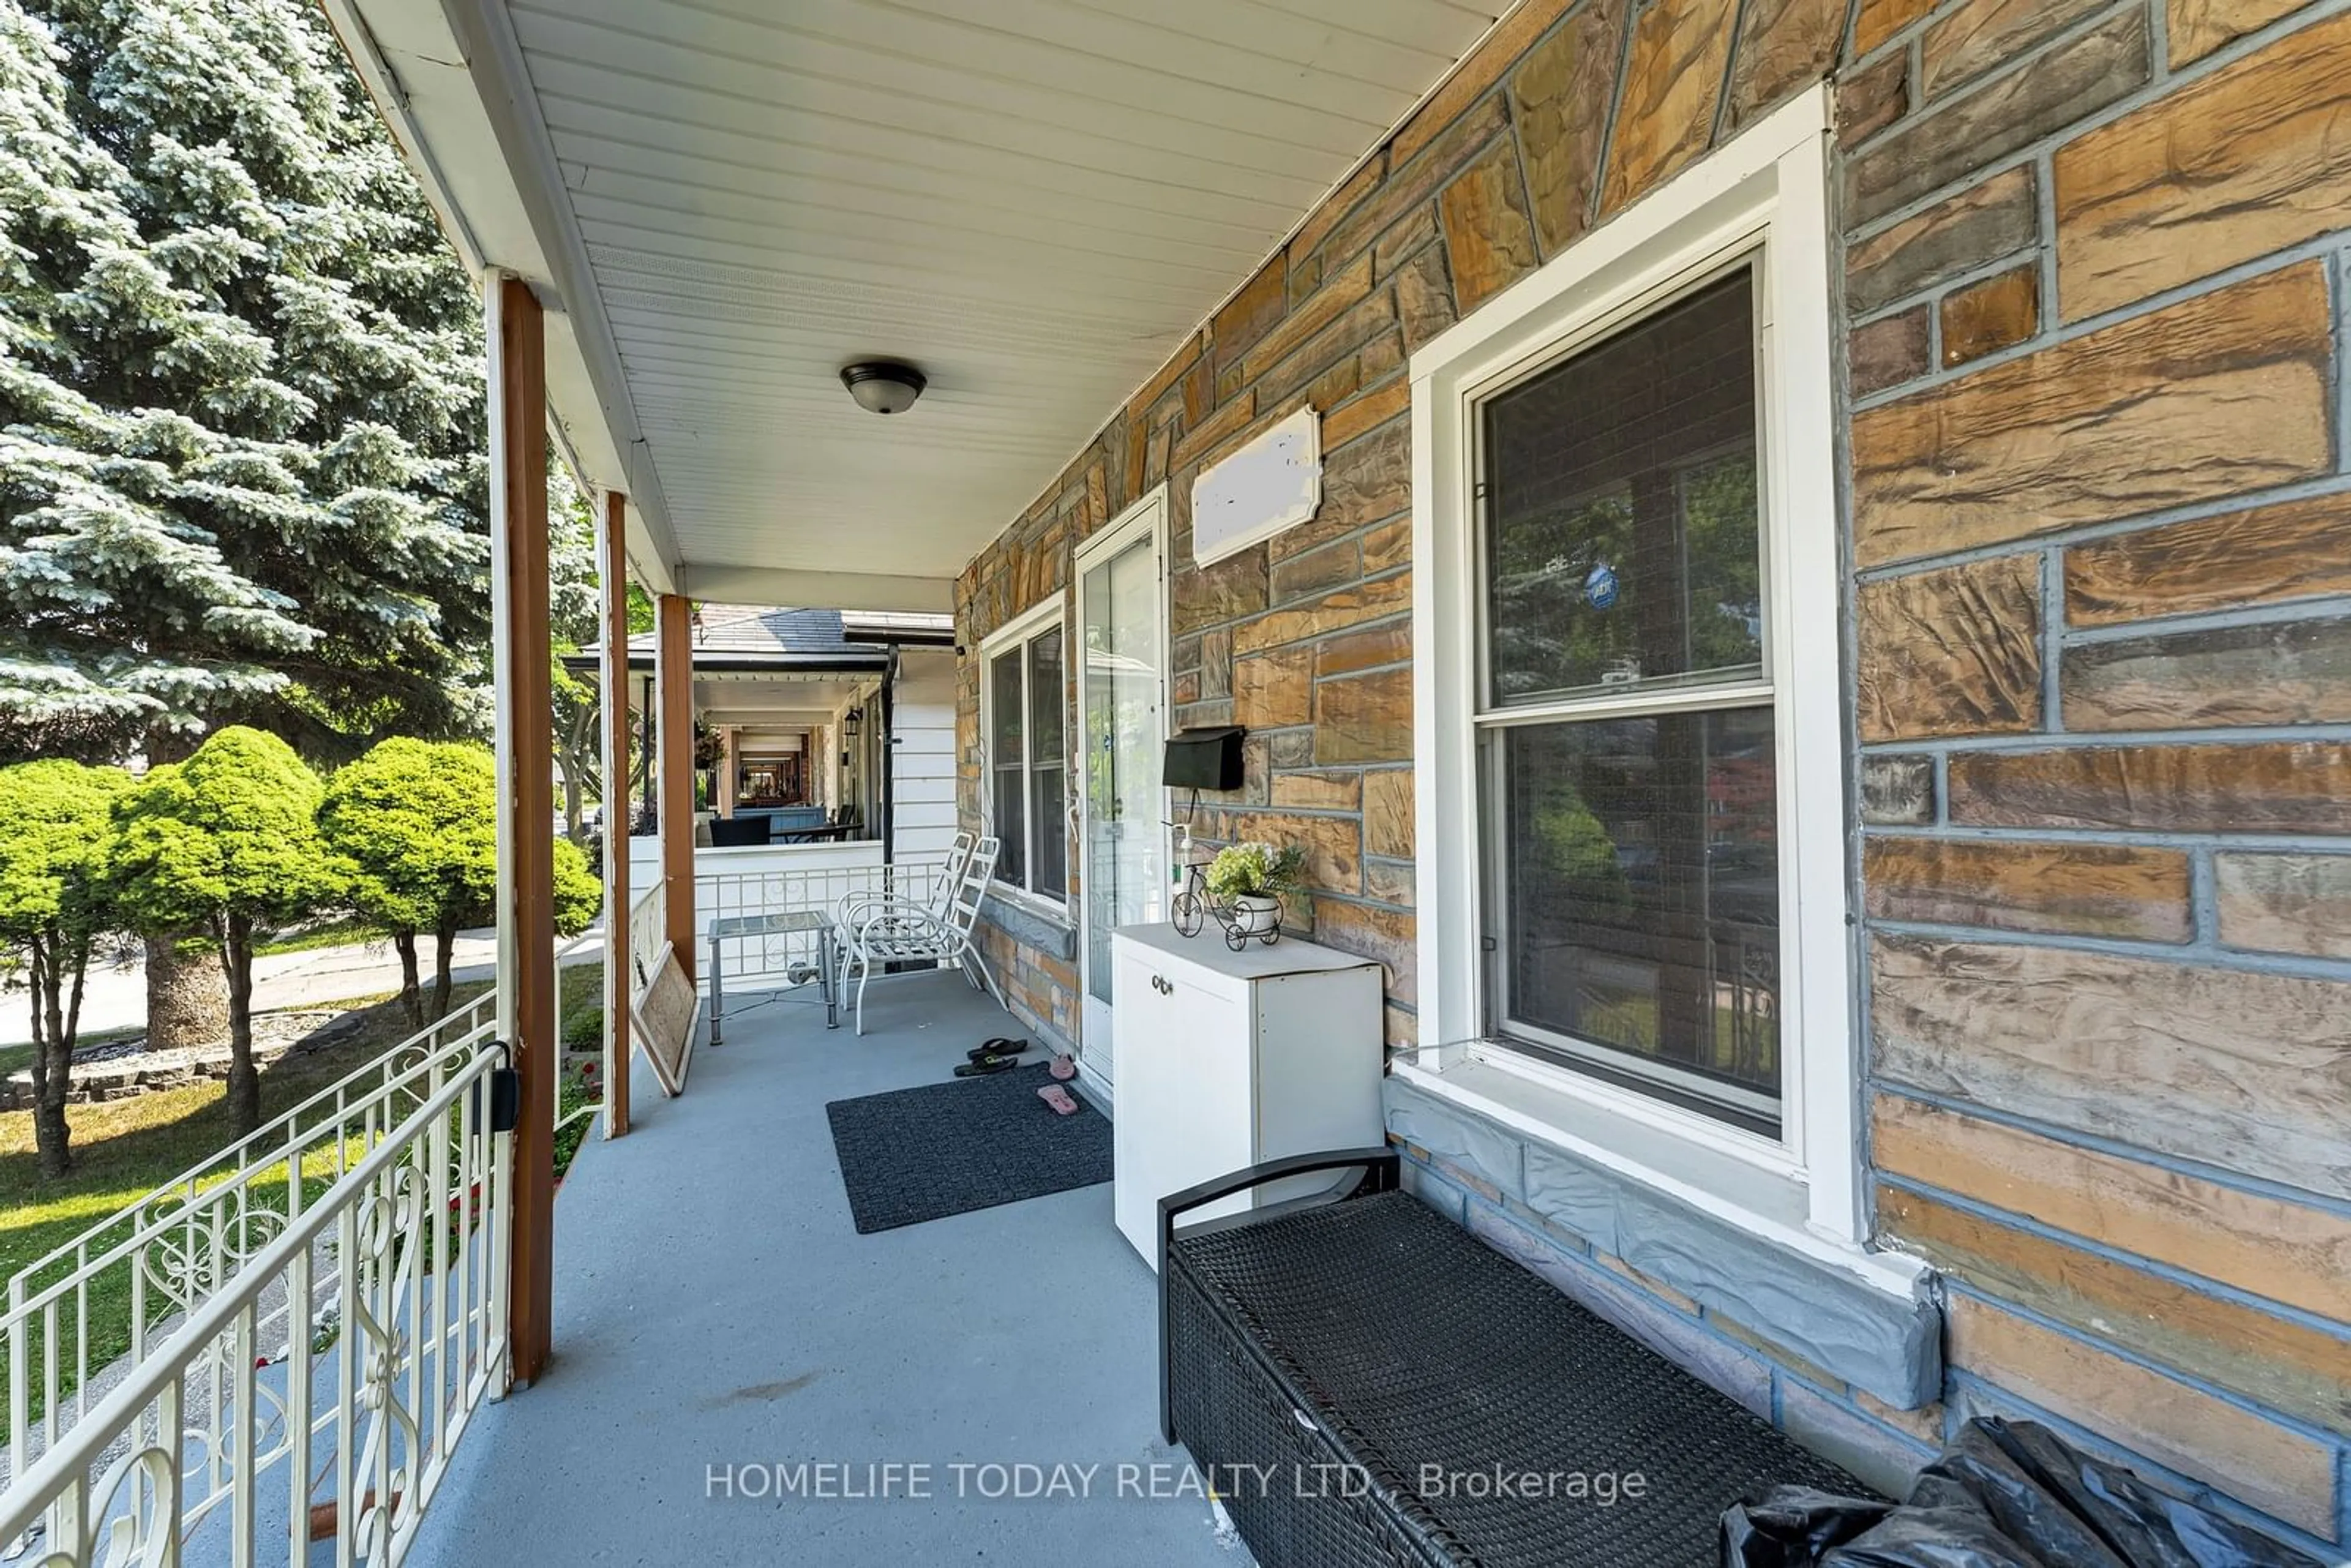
[[1252, 878]]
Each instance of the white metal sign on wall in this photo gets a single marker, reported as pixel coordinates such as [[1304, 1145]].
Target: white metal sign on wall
[[1273, 483]]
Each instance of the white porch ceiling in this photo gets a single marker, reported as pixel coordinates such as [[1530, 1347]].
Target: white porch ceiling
[[1033, 201], [776, 700]]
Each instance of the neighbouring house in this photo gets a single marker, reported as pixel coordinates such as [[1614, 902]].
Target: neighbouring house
[[1788, 563], [820, 725]]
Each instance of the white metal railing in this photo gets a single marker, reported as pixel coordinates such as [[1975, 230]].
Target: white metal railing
[[167, 1254], [318, 1390], [754, 962]]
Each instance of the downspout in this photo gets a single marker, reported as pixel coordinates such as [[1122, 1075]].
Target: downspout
[[887, 740], [645, 728]]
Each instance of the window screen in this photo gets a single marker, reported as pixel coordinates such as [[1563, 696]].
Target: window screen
[[1626, 721], [1027, 739]]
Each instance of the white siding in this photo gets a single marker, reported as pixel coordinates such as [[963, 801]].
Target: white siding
[[922, 752]]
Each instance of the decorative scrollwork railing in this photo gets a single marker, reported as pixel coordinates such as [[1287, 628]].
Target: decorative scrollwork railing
[[315, 1391], [648, 928], [103, 1299]]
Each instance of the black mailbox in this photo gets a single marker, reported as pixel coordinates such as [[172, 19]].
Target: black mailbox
[[1204, 758]]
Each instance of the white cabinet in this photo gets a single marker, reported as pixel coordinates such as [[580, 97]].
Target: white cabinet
[[1229, 1059]]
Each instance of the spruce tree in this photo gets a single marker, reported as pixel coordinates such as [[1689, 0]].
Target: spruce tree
[[240, 406], [124, 616], [245, 480]]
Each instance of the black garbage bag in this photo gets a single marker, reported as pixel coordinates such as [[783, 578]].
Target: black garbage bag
[[1794, 1527], [2005, 1494]]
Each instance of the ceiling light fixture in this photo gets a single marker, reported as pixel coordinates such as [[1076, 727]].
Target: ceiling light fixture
[[883, 386]]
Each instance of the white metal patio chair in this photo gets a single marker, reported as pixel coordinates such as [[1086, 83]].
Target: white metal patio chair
[[907, 888], [887, 929]]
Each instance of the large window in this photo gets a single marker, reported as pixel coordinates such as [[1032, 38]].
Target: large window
[[1026, 700], [1628, 712], [1625, 726]]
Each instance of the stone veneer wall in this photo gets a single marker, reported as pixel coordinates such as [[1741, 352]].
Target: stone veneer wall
[[1307, 641], [2102, 678], [2101, 534]]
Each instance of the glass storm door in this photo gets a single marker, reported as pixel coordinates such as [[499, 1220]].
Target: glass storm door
[[1123, 726]]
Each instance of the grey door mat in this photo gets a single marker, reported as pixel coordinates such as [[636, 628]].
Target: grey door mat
[[914, 1155]]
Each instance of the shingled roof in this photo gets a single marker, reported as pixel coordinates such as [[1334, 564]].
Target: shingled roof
[[753, 637]]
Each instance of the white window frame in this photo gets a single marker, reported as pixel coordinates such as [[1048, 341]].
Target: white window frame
[[1762, 199], [1014, 634]]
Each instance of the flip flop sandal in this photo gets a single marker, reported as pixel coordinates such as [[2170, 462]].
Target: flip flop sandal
[[1002, 1045], [1059, 1099], [987, 1065], [1063, 1068]]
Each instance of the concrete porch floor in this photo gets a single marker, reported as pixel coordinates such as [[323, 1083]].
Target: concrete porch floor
[[714, 1308]]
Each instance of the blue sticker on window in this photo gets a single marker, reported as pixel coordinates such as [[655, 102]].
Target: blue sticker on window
[[1600, 587]]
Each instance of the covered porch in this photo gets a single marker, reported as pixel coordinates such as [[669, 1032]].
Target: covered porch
[[810, 727], [1774, 683], [1781, 696], [702, 253], [721, 1324]]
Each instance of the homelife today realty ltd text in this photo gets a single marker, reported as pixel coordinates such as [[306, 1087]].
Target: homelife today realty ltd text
[[833, 1480]]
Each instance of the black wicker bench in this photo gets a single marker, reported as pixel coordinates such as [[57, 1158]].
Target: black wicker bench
[[1363, 1382]]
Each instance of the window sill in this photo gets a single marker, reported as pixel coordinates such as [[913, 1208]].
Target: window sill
[[1035, 904], [1031, 921], [1687, 1131], [1633, 1193], [1762, 1197]]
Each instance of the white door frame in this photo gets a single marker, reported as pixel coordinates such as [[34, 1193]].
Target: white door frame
[[1146, 518]]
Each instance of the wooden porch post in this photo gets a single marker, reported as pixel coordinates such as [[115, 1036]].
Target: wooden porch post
[[612, 566], [526, 765], [674, 675]]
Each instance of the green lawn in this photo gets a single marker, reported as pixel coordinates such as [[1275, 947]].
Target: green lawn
[[123, 1149], [580, 1020]]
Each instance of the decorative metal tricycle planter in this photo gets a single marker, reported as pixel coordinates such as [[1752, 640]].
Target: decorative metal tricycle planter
[[1241, 917]]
